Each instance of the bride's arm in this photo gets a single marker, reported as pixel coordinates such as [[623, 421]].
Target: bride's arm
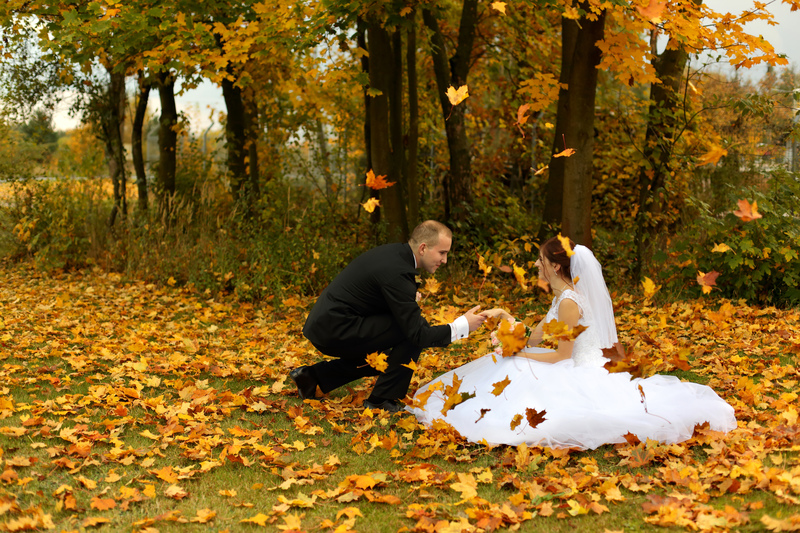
[[569, 313]]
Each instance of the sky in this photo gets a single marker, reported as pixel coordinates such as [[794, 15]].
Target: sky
[[200, 103]]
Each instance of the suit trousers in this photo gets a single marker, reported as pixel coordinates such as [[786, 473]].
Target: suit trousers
[[350, 360]]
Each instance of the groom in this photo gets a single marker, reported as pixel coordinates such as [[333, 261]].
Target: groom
[[371, 307]]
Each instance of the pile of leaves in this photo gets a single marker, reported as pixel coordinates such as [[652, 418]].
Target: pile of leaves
[[130, 406]]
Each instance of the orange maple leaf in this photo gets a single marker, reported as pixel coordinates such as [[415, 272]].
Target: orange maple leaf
[[377, 182], [653, 10], [707, 281], [103, 504], [747, 211], [568, 152], [512, 335], [500, 386], [535, 417]]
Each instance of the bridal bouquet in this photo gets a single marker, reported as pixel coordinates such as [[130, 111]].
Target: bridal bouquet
[[510, 337]]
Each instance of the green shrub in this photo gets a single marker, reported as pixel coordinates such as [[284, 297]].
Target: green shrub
[[761, 264]]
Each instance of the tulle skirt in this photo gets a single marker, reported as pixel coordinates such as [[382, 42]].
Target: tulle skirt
[[511, 400]]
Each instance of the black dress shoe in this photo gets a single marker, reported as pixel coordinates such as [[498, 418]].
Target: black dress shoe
[[305, 381], [390, 406]]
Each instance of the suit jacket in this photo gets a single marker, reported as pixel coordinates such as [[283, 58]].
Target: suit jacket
[[377, 288]]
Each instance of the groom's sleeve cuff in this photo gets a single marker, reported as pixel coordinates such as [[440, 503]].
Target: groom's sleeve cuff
[[459, 329]]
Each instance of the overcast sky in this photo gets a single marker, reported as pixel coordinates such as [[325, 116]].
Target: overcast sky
[[785, 38]]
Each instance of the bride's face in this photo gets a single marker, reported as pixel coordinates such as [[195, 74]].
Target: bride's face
[[546, 270]]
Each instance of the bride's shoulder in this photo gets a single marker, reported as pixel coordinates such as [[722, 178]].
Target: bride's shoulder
[[570, 297]]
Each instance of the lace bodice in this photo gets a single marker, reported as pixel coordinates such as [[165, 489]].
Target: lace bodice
[[587, 349]]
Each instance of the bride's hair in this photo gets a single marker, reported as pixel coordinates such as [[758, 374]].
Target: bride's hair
[[554, 251]]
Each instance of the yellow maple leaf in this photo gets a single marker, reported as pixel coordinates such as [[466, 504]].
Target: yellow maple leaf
[[650, 288], [500, 386], [466, 485], [721, 248], [260, 519], [519, 274], [486, 269], [516, 421], [377, 361], [565, 244], [713, 156], [370, 205], [560, 331], [513, 335], [499, 6], [204, 516], [456, 96]]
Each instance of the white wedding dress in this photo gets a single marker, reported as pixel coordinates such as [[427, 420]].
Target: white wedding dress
[[584, 406]]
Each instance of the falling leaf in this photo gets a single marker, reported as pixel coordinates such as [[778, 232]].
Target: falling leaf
[[713, 156], [522, 118], [486, 269], [566, 245], [568, 152], [512, 335], [707, 281], [519, 275], [556, 330], [377, 182], [649, 287], [721, 248], [747, 212], [377, 361], [499, 6], [500, 386], [370, 205], [535, 417], [456, 96], [516, 421], [541, 170]]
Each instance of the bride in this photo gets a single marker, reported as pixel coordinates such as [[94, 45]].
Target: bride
[[565, 398]]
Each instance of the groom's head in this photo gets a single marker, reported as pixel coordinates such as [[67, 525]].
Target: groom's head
[[430, 242]]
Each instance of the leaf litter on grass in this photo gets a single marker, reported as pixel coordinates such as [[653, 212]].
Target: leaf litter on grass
[[126, 405]]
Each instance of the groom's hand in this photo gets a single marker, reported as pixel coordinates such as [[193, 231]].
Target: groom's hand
[[474, 318]]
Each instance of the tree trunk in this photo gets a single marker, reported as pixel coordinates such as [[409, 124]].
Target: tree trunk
[[453, 71], [572, 176], [361, 36], [413, 192], [113, 117], [136, 141], [240, 134], [660, 139], [387, 149], [167, 140]]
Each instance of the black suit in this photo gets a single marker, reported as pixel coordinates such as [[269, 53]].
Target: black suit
[[371, 307]]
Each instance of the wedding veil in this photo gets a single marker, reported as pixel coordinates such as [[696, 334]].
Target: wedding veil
[[587, 276]]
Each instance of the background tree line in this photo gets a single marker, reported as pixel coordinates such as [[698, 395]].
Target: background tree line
[[319, 93]]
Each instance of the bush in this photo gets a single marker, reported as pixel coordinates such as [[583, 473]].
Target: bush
[[757, 260]]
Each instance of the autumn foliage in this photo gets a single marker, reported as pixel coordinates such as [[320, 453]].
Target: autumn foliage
[[131, 406]]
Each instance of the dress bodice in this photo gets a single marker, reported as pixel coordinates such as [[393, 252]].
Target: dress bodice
[[587, 349]]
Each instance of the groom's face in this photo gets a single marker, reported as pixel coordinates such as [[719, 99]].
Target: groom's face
[[435, 255]]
